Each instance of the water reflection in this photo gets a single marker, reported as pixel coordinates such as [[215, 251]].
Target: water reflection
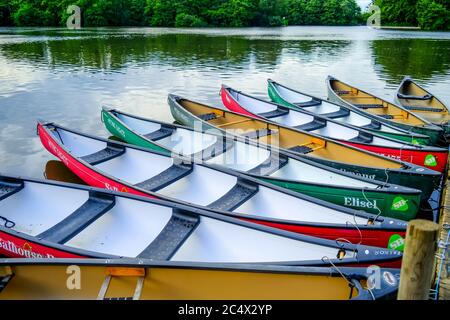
[[419, 58]]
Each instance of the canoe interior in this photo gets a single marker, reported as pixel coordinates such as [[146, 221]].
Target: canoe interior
[[129, 227], [418, 100], [374, 105], [49, 282], [304, 121], [287, 138], [241, 156]]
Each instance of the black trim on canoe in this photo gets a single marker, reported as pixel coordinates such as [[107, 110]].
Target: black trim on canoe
[[163, 132], [8, 188], [241, 192]]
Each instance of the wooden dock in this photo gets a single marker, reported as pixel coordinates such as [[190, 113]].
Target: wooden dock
[[443, 261]]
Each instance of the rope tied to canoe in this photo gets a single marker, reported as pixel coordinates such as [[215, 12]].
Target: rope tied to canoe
[[376, 207], [337, 269], [7, 223]]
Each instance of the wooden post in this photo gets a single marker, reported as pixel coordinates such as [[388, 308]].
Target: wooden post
[[418, 260]]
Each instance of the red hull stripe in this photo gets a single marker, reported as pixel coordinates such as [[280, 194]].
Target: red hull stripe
[[417, 157], [232, 105], [16, 247]]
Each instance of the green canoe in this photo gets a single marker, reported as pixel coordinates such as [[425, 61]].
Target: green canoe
[[270, 165], [294, 99]]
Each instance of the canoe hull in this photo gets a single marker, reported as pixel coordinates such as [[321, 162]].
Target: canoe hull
[[433, 160], [47, 279], [104, 182], [369, 201], [275, 97]]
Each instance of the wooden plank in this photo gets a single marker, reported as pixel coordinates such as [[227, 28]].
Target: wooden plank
[[443, 265]]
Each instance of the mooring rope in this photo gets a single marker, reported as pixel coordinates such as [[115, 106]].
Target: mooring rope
[[8, 223]]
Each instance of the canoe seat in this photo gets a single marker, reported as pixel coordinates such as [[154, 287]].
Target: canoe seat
[[97, 205], [221, 146], [258, 133], [362, 138], [373, 125], [385, 116], [160, 134], [417, 108], [301, 149], [208, 116], [274, 113], [171, 238], [273, 163], [342, 112], [240, 193], [9, 187], [313, 125], [369, 106], [165, 178], [310, 103], [411, 97], [110, 152]]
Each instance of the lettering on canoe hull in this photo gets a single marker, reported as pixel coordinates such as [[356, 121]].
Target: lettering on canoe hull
[[360, 203], [358, 174], [25, 251], [116, 127]]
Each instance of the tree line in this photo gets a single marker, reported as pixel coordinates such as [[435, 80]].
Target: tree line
[[428, 14], [182, 13]]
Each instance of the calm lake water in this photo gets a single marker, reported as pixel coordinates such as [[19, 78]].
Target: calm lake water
[[66, 76]]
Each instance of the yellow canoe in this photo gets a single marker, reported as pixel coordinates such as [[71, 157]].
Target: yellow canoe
[[382, 110], [413, 97], [64, 279]]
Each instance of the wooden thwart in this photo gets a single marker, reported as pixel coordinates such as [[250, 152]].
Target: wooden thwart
[[123, 272]]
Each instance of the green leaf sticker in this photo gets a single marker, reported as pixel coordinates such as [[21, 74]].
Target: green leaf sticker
[[399, 204], [416, 142], [430, 161], [396, 242]]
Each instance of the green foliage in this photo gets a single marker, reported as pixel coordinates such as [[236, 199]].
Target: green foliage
[[433, 15], [428, 14], [182, 13]]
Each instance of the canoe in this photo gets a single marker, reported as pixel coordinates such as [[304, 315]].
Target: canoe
[[307, 122], [225, 192], [126, 279], [296, 100], [290, 171], [382, 110], [313, 147], [415, 98], [59, 220]]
